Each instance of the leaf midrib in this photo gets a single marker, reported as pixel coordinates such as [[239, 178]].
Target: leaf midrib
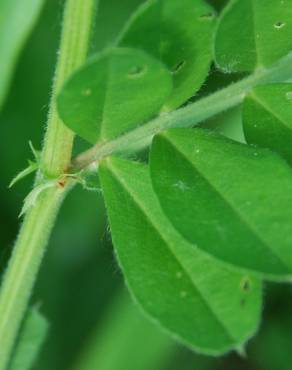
[[231, 205], [264, 105], [108, 82], [169, 243], [257, 54]]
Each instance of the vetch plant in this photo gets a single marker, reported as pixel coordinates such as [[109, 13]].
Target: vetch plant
[[205, 219]]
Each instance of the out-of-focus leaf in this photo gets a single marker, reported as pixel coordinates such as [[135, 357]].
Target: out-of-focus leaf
[[228, 124], [253, 34], [113, 93], [111, 18], [127, 340], [17, 18], [179, 33], [31, 338], [186, 291], [267, 118], [229, 199]]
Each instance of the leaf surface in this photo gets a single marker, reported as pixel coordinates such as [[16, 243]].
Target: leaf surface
[[186, 291], [31, 338], [179, 33], [17, 18], [113, 93], [253, 34], [267, 118], [232, 200]]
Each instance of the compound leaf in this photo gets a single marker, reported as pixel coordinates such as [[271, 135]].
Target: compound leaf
[[267, 118], [183, 289], [113, 93], [17, 18], [253, 34], [179, 33], [231, 200]]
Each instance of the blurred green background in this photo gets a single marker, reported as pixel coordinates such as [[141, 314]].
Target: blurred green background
[[93, 324]]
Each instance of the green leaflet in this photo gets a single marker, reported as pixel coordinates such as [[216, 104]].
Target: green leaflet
[[253, 34], [267, 118], [113, 93], [231, 200], [17, 18], [179, 33], [186, 291], [31, 338]]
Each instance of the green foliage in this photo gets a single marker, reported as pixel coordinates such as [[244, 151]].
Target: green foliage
[[117, 90], [187, 292], [113, 93], [32, 337], [267, 118], [216, 192], [174, 42], [253, 34], [17, 18], [197, 230]]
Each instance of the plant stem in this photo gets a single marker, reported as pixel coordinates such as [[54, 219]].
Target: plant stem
[[188, 116], [23, 267], [73, 51], [30, 245]]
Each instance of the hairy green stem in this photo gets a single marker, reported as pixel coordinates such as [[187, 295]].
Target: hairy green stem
[[23, 267], [30, 246], [188, 116], [73, 51]]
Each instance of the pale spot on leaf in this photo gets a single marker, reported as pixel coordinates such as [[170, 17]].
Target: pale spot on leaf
[[183, 294]]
